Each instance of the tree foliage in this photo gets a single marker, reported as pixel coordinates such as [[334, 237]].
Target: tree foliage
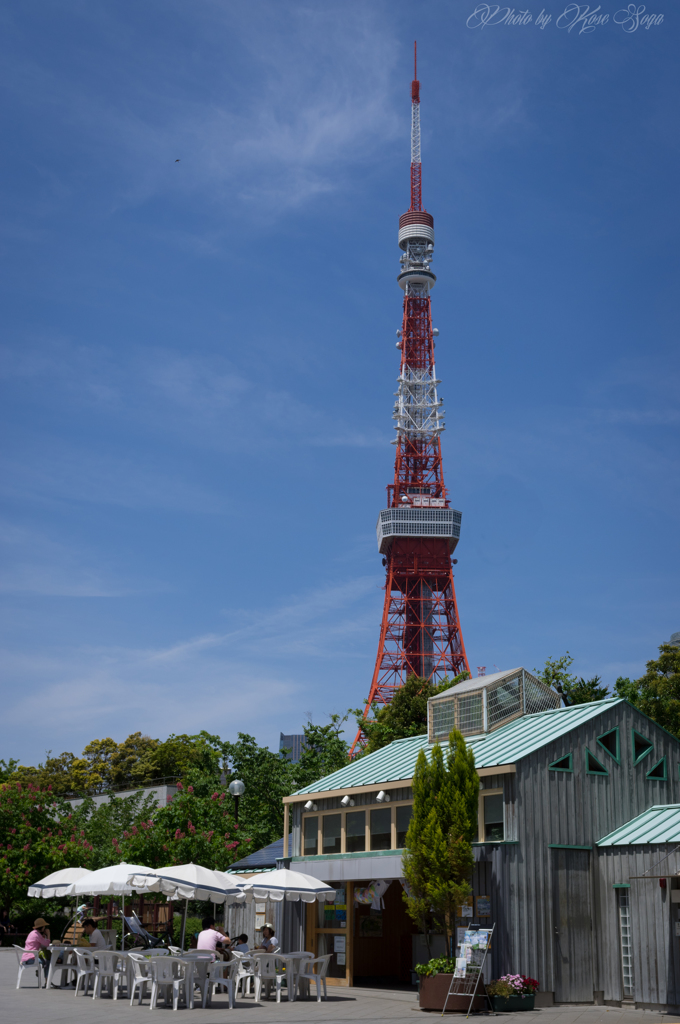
[[574, 690], [40, 831], [438, 857], [38, 834], [657, 692], [406, 715]]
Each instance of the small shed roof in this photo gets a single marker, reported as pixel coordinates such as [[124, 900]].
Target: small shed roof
[[658, 824], [503, 746], [260, 859], [477, 683]]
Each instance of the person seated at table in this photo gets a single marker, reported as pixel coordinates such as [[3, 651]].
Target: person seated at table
[[37, 942], [240, 944], [269, 941], [97, 940], [212, 938]]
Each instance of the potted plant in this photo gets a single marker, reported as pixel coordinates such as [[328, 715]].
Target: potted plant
[[435, 982], [512, 992]]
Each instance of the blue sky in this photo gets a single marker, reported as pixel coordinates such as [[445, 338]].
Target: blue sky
[[199, 357]]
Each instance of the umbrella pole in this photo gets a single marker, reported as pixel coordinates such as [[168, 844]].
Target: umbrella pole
[[122, 933], [184, 923]]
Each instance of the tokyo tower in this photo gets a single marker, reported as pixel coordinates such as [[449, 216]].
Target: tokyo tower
[[420, 631]]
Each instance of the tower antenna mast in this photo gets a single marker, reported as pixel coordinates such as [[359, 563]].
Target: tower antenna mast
[[420, 632]]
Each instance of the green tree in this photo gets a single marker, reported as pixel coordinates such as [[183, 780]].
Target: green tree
[[573, 690], [438, 856], [324, 751], [193, 827], [657, 692], [38, 834], [406, 715]]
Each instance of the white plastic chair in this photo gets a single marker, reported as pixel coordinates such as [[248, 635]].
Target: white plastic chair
[[224, 974], [200, 962], [307, 973], [34, 965], [141, 974], [159, 952], [168, 973], [111, 967], [267, 973], [85, 970], [245, 973]]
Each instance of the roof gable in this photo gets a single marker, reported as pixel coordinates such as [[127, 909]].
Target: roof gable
[[505, 745]]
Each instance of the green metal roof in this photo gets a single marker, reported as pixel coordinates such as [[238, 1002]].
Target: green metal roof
[[658, 824], [503, 746]]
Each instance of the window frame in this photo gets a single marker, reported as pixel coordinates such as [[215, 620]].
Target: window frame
[[658, 778], [343, 812], [604, 774], [480, 815], [552, 766], [646, 753], [608, 732]]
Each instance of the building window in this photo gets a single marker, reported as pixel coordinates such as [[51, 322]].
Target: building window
[[332, 833], [404, 814], [311, 836], [355, 832], [471, 713], [623, 897], [494, 829], [381, 829], [443, 716]]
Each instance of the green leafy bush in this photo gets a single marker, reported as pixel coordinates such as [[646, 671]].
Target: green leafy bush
[[193, 927], [500, 988], [440, 965]]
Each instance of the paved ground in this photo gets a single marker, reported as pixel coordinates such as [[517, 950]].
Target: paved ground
[[344, 1006]]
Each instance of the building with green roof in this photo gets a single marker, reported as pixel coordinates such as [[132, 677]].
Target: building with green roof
[[576, 806]]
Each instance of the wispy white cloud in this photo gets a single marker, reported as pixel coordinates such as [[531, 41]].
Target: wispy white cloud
[[298, 95], [211, 681]]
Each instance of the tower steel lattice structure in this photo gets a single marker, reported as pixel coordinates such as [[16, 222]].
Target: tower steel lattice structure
[[420, 630]]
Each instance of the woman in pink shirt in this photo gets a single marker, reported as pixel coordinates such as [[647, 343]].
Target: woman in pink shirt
[[38, 939]]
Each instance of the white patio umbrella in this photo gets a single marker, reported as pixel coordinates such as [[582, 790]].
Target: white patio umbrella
[[288, 885], [58, 883], [188, 882], [109, 881]]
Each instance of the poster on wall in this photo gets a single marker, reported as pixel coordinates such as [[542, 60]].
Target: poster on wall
[[461, 967], [466, 911], [483, 906], [340, 957], [339, 942]]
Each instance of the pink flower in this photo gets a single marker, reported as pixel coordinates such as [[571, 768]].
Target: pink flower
[[180, 786], [190, 789], [214, 796]]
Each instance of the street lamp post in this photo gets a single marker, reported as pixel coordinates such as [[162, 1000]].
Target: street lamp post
[[237, 789]]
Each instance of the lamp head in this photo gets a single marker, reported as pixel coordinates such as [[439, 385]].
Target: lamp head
[[237, 788]]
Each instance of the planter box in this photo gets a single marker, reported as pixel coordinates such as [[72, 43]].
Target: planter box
[[433, 992], [506, 1004]]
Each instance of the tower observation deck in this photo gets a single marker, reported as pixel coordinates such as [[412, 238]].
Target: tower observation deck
[[420, 631]]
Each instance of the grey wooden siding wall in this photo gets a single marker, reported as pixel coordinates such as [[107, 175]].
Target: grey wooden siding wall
[[240, 917], [656, 949], [575, 809]]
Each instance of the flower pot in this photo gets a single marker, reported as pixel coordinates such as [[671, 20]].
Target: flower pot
[[434, 990], [506, 1004]]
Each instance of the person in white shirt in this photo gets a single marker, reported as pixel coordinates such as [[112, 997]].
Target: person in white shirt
[[97, 940]]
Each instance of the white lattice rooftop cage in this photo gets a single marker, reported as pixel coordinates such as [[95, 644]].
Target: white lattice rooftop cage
[[483, 704]]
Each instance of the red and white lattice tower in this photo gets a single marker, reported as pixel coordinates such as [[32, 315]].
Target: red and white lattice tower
[[420, 632]]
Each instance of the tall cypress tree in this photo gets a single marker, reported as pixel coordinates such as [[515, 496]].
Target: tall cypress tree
[[438, 854]]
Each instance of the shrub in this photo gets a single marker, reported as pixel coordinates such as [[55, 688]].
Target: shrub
[[440, 965]]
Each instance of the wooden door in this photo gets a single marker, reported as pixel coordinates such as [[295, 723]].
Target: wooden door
[[572, 926]]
